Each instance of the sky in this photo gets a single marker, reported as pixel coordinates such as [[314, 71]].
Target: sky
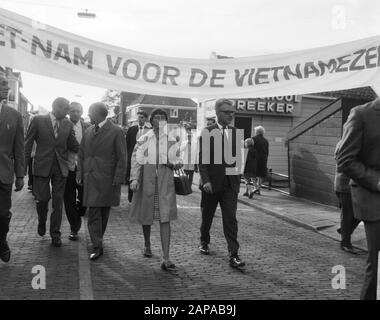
[[194, 29]]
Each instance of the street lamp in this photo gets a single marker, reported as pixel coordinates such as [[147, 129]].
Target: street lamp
[[86, 14]]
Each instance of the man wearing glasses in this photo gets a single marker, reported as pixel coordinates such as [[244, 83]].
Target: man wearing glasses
[[219, 184]]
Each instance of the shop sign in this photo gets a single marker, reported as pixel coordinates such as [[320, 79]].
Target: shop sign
[[275, 106]]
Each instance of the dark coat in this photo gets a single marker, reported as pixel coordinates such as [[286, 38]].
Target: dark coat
[[41, 131], [261, 147], [11, 145], [250, 164], [210, 169], [101, 165], [359, 158]]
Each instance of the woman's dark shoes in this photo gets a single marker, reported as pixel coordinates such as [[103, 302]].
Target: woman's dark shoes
[[245, 194], [96, 254], [168, 266], [5, 252], [148, 252]]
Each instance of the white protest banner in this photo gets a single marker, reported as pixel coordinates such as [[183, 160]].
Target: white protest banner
[[37, 48]]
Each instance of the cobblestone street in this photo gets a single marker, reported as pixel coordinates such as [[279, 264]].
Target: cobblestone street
[[283, 261]]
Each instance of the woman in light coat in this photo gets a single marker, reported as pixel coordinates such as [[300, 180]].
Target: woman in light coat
[[152, 181]]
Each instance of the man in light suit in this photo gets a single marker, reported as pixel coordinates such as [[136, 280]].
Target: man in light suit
[[132, 135], [101, 170], [11, 163], [359, 158], [218, 184], [54, 136], [73, 192]]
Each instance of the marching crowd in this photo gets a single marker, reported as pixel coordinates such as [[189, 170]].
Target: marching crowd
[[82, 166]]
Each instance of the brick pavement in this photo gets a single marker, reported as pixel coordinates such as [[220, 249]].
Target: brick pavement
[[283, 261]]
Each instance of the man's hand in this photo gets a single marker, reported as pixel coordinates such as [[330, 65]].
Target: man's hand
[[207, 187], [134, 185], [19, 184]]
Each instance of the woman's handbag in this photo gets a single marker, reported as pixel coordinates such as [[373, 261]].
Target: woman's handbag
[[181, 183]]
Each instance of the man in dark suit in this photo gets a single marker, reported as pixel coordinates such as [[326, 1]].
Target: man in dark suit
[[54, 136], [11, 163], [73, 192], [359, 158], [101, 170], [219, 179], [133, 134]]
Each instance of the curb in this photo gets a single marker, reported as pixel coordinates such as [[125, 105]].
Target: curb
[[293, 221], [278, 215]]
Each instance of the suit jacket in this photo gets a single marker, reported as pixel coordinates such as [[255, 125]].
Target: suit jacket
[[359, 158], [85, 126], [131, 142], [101, 165], [212, 165], [41, 131], [11, 145]]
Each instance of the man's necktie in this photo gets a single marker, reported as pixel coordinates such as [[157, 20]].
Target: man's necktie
[[56, 128], [96, 128]]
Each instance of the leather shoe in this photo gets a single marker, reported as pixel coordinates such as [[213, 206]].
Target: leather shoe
[[236, 262], [73, 236], [5, 254], [245, 194], [56, 242], [96, 254], [204, 249], [41, 229], [148, 252], [348, 249]]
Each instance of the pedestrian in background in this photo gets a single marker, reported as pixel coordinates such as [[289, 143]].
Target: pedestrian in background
[[348, 222], [152, 180], [210, 121], [249, 168], [358, 157], [73, 196], [54, 136], [189, 166], [261, 152], [101, 171], [133, 134], [11, 163]]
